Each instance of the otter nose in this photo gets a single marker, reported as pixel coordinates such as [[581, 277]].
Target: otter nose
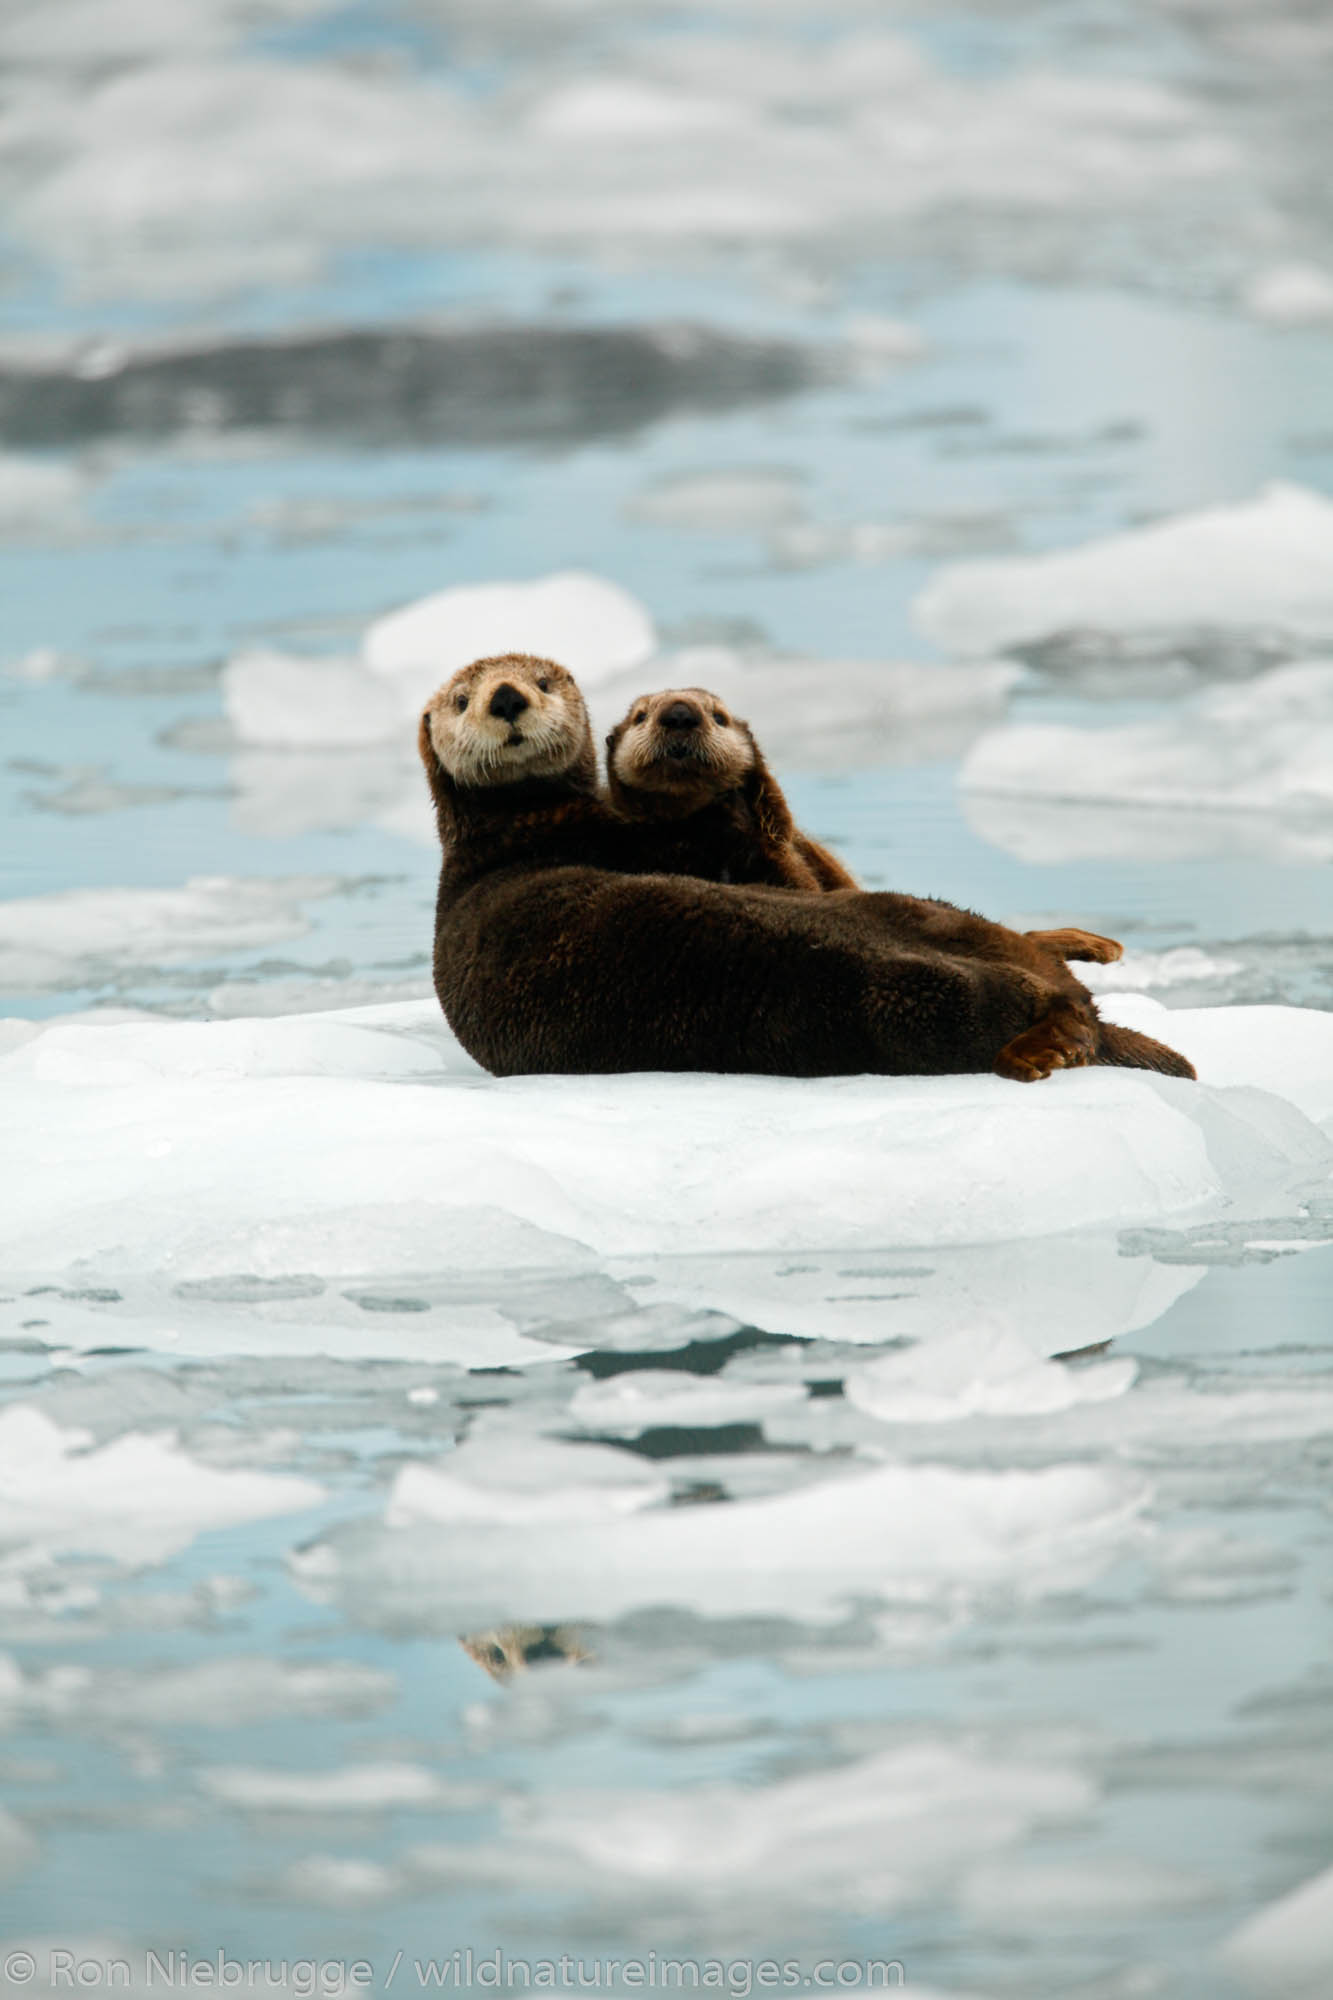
[[507, 702], [680, 715]]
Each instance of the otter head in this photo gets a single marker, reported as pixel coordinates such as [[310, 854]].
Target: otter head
[[505, 720], [676, 751]]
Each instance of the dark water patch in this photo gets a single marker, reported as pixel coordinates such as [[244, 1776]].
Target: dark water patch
[[546, 385], [696, 1357]]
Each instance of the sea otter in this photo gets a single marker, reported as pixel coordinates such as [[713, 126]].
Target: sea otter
[[561, 947], [681, 758]]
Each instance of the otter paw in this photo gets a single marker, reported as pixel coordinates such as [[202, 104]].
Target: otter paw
[[1062, 1039], [1079, 944]]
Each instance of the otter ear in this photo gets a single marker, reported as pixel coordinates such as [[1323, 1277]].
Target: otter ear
[[425, 747]]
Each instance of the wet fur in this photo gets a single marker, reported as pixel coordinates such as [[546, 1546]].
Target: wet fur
[[562, 945]]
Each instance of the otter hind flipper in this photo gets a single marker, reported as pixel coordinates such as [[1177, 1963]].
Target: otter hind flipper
[[1126, 1048]]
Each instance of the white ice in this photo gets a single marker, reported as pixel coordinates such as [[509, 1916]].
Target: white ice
[[978, 1370], [1266, 562], [40, 497], [137, 1499], [368, 1141], [927, 1534], [516, 1479], [1292, 295], [1286, 1950], [354, 1788], [1262, 747], [330, 741], [637, 144], [81, 937]]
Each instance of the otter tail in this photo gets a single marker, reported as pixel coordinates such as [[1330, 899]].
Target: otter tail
[[1126, 1048]]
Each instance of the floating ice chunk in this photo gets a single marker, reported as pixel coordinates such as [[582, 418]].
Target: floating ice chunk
[[978, 1371], [1287, 1949], [1263, 747], [593, 627], [695, 138], [1023, 1896], [513, 1480], [292, 703], [644, 1399], [736, 502], [1261, 562], [1062, 1291], [1292, 295], [620, 110], [138, 1499], [1287, 1051], [222, 1692], [351, 1789], [313, 1147], [1051, 829], [40, 496], [818, 714], [82, 937], [337, 1882], [921, 1531]]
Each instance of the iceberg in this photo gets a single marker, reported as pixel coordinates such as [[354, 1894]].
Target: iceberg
[[1260, 748]]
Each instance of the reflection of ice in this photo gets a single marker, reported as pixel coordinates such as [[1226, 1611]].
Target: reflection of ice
[[878, 1833], [1263, 563], [1259, 748]]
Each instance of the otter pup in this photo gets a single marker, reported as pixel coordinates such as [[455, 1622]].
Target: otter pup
[[558, 948], [681, 757]]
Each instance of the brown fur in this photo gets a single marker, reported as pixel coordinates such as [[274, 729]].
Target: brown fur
[[679, 757], [557, 948]]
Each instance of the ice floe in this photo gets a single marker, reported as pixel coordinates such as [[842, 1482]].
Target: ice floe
[[516, 1480], [1264, 747], [136, 1499], [85, 937], [1286, 1950], [683, 139], [226, 1691], [1292, 295], [1261, 563], [354, 1788], [924, 1533], [977, 1371], [367, 1141], [40, 496]]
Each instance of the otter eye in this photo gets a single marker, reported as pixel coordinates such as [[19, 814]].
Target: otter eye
[[641, 714], [718, 716], [543, 685], [460, 702]]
